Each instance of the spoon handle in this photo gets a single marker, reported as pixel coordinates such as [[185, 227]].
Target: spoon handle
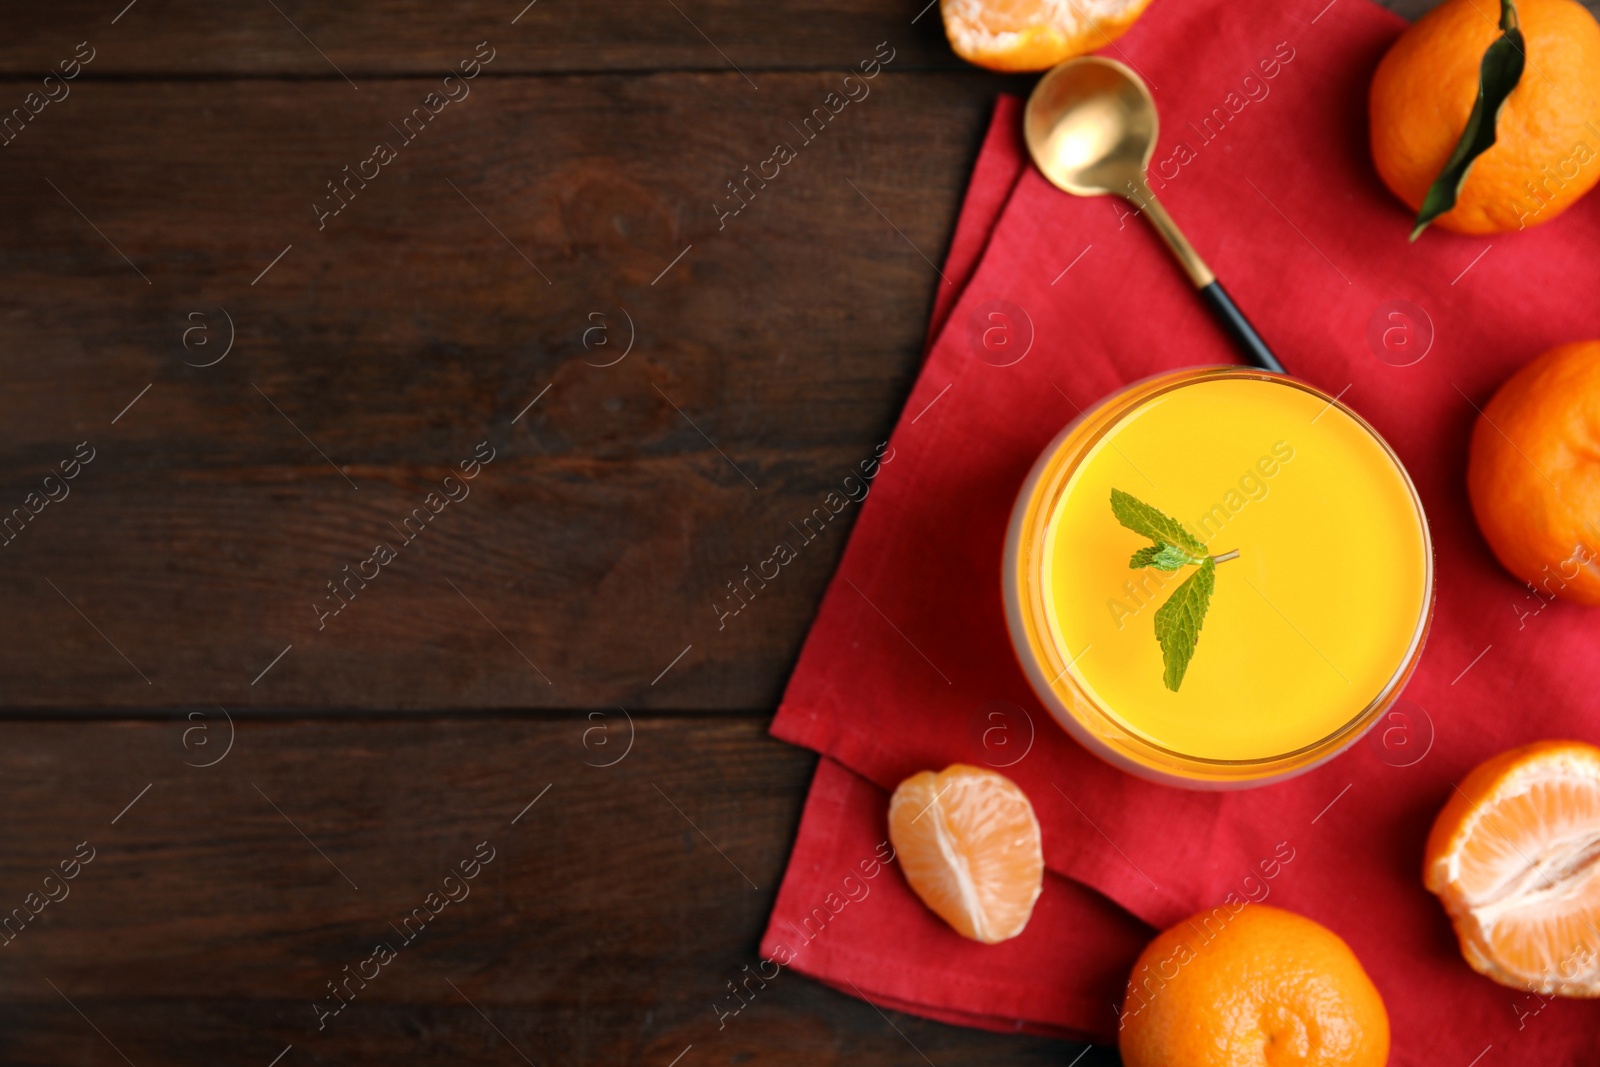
[[1239, 328], [1244, 335]]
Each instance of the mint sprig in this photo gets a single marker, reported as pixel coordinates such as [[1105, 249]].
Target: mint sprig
[[1178, 621]]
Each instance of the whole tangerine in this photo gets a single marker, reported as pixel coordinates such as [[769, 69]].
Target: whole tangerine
[[1252, 987], [1533, 473], [1547, 149]]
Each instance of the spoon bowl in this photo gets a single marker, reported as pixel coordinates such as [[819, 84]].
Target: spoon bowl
[[1091, 127]]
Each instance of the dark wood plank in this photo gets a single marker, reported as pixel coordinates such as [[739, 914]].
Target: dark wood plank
[[601, 932], [192, 38], [774, 354]]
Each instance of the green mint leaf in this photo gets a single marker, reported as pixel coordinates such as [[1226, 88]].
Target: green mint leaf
[[1498, 75], [1178, 621], [1141, 518], [1145, 556], [1163, 557]]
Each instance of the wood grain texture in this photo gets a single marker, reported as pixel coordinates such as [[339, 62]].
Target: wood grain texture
[[380, 350], [602, 930]]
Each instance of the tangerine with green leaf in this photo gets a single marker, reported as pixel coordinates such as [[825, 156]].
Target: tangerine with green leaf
[[1546, 148]]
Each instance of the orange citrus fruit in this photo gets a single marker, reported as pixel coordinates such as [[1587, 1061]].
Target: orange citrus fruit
[[1546, 154], [968, 843], [1513, 858], [1534, 473], [1034, 34], [1252, 987]]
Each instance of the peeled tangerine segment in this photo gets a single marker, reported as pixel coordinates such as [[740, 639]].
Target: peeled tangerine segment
[[969, 845], [1515, 857], [1034, 34]]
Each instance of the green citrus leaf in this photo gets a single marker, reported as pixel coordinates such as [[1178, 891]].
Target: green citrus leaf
[[1178, 621], [1141, 518], [1498, 75]]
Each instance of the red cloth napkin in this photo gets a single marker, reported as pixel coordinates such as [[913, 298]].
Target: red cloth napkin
[[909, 655]]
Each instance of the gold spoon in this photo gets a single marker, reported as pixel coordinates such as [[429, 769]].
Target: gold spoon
[[1091, 128]]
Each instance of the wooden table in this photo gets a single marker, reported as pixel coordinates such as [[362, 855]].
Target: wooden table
[[262, 348]]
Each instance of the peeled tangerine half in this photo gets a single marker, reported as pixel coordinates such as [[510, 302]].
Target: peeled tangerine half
[[1034, 34], [1515, 857], [969, 845]]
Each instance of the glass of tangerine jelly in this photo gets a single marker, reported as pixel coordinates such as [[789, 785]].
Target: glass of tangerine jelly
[[1312, 629]]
